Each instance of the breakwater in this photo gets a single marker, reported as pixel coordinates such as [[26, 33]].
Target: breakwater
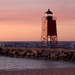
[[58, 54]]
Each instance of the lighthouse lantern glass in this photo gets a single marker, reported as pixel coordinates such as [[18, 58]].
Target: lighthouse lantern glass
[[48, 14]]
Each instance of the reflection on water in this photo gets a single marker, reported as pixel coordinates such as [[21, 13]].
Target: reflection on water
[[22, 63]]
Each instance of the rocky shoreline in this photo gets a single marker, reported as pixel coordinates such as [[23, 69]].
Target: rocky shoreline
[[39, 53]]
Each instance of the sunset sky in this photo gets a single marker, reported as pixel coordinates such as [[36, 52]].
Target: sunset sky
[[20, 20]]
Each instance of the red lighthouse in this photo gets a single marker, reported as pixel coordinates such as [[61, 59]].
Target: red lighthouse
[[49, 30]]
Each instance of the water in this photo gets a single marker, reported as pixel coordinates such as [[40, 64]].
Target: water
[[8, 63], [29, 44]]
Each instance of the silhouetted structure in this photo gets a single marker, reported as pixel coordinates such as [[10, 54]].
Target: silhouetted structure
[[49, 30]]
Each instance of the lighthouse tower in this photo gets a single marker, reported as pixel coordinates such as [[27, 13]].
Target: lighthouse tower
[[49, 30]]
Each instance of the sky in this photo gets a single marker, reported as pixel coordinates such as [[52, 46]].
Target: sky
[[20, 20]]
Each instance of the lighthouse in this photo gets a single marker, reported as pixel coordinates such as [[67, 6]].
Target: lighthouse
[[49, 29]]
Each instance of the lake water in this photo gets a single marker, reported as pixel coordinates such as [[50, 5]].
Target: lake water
[[22, 63]]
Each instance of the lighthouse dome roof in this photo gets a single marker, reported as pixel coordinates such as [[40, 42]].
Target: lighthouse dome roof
[[49, 12]]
